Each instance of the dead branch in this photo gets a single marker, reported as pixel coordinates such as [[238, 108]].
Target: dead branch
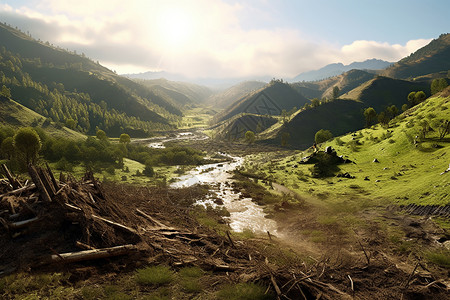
[[19, 190], [153, 220], [38, 182], [121, 226], [15, 183], [229, 238], [89, 254]]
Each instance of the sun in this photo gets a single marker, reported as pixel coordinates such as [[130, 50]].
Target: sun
[[175, 27]]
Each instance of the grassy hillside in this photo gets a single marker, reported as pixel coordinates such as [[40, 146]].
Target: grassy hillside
[[16, 115], [236, 127], [270, 100], [340, 116], [433, 58], [409, 167], [193, 92], [383, 91], [229, 96], [42, 76]]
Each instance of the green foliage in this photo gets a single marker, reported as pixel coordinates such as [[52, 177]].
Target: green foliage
[[154, 275], [60, 93], [124, 138], [5, 92], [325, 166], [322, 136], [244, 291], [101, 135], [370, 115], [250, 137], [7, 148], [335, 92], [415, 98], [28, 143], [148, 171], [438, 84]]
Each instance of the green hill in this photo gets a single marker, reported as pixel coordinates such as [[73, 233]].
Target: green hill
[[16, 115], [381, 92], [324, 88], [270, 100], [61, 85], [339, 116], [433, 58], [180, 93], [346, 113], [236, 127], [227, 97], [410, 167]]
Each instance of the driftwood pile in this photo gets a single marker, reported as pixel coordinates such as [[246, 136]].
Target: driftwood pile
[[58, 221]]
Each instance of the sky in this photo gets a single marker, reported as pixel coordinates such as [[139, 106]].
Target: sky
[[231, 38]]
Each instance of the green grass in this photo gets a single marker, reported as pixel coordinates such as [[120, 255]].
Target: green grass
[[244, 291], [190, 279], [405, 173], [441, 258], [154, 275]]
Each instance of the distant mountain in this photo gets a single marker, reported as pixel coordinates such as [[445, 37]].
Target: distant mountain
[[181, 94], [324, 88], [211, 82], [339, 68], [229, 96], [62, 85], [432, 58], [272, 99]]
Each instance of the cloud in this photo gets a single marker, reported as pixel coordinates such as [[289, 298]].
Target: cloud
[[361, 50], [205, 38]]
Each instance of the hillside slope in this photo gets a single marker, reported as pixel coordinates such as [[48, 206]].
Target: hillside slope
[[195, 93], [33, 70], [433, 58], [270, 100], [227, 97], [410, 168], [16, 115], [324, 88]]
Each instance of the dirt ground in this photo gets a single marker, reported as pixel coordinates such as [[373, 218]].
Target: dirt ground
[[311, 260]]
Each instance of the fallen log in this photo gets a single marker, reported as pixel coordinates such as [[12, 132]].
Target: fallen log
[[118, 225], [70, 257], [22, 224], [153, 220], [84, 246]]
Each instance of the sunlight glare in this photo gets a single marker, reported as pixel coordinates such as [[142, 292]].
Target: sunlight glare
[[176, 27]]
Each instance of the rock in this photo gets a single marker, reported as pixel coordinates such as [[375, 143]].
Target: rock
[[375, 160], [329, 150], [378, 180]]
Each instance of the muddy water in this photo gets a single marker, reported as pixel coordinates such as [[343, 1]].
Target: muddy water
[[244, 213]]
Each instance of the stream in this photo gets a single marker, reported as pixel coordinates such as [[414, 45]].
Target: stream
[[244, 213]]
